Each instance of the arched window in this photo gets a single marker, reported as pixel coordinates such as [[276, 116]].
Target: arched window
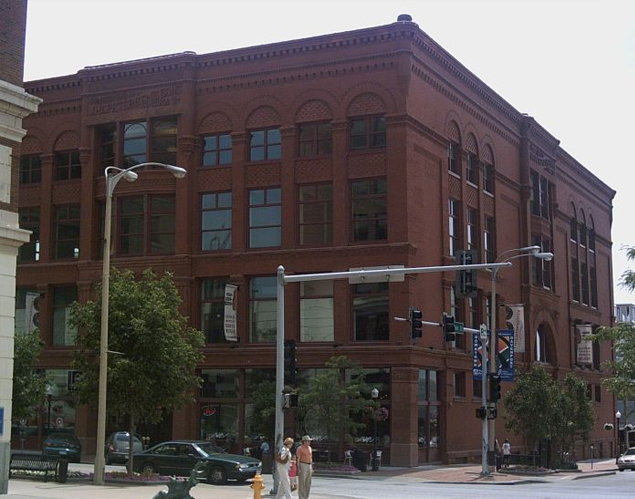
[[543, 345]]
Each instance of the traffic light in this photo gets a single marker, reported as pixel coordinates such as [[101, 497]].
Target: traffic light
[[466, 279], [290, 363], [448, 327], [415, 317], [494, 388]]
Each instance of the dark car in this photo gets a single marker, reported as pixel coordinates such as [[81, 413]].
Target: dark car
[[63, 445], [117, 446], [180, 457]]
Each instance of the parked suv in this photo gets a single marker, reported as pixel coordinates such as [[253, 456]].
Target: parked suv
[[117, 446]]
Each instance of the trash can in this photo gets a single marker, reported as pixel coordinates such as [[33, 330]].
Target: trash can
[[376, 460], [267, 462], [360, 459], [62, 471]]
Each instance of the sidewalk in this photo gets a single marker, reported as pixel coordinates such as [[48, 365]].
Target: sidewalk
[[22, 488]]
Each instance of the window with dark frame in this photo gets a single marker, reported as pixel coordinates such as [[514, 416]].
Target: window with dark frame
[[163, 139], [30, 220], [63, 333], [265, 218], [217, 150], [67, 165], [107, 136], [213, 309], [368, 133], [265, 145], [147, 225], [370, 311], [143, 141], [135, 140], [316, 214], [453, 160], [540, 196], [67, 225], [216, 221], [489, 238], [262, 309], [542, 269], [472, 229], [459, 385], [454, 226], [314, 139], [471, 169], [316, 311], [488, 178], [369, 206], [31, 169]]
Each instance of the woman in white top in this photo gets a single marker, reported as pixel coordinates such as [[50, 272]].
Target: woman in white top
[[283, 464]]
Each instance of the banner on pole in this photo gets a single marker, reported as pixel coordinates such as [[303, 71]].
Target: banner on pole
[[229, 325], [504, 357], [32, 312], [585, 347], [516, 322]]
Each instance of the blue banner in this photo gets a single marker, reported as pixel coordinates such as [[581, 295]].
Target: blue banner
[[505, 357]]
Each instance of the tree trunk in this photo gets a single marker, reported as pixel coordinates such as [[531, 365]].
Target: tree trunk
[[131, 432]]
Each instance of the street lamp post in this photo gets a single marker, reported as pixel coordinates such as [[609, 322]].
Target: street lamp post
[[618, 416], [113, 176], [493, 351], [374, 394], [49, 396]]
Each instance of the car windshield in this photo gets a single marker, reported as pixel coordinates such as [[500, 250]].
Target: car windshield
[[210, 448], [122, 437], [630, 452], [62, 438]]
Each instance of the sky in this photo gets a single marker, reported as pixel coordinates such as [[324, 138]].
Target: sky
[[568, 63]]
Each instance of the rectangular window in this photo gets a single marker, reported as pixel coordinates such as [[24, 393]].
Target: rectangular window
[[67, 165], [370, 311], [368, 133], [220, 383], [477, 388], [265, 145], [472, 229], [316, 214], [540, 196], [575, 280], [369, 205], [594, 287], [262, 309], [63, 298], [314, 139], [316, 311], [471, 169], [453, 163], [584, 283], [454, 226], [30, 220], [488, 178], [459, 385], [107, 137], [147, 225], [217, 150], [542, 269], [265, 218], [213, 309], [67, 218], [216, 221], [163, 141], [30, 169], [490, 250]]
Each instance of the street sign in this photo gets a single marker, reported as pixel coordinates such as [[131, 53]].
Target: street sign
[[459, 327]]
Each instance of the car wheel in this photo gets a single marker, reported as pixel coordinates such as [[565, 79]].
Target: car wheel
[[148, 469], [621, 469], [217, 476]]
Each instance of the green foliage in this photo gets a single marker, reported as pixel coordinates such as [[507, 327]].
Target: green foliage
[[263, 396], [627, 279], [621, 370], [29, 388], [540, 407], [155, 371], [331, 399]]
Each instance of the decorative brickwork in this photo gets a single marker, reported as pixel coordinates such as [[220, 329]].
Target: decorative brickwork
[[367, 165], [264, 116], [66, 142], [471, 144], [313, 110], [263, 176], [367, 103], [215, 122], [214, 179], [454, 134], [316, 170]]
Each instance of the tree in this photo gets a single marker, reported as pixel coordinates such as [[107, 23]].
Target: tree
[[627, 279], [331, 399], [540, 407], [263, 407], [29, 387], [153, 369]]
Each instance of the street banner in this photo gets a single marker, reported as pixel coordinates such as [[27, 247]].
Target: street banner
[[32, 312], [516, 322], [230, 313], [505, 357], [585, 347]]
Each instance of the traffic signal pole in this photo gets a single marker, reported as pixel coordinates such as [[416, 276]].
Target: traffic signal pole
[[384, 274]]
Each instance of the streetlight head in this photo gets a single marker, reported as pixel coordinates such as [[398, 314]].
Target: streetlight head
[[130, 176], [547, 256], [530, 249], [177, 171], [618, 415], [374, 393]]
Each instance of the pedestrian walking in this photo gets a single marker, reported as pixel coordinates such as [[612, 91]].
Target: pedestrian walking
[[283, 464], [304, 456], [507, 450]]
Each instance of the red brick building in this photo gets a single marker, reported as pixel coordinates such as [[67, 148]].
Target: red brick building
[[367, 148]]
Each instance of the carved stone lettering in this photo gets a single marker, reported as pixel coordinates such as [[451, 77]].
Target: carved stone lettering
[[168, 96]]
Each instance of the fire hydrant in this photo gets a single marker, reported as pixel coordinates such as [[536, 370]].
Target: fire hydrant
[[258, 484]]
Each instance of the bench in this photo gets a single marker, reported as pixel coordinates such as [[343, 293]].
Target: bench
[[34, 462]]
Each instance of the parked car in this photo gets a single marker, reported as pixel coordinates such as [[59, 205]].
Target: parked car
[[627, 460], [179, 458], [118, 445], [63, 445]]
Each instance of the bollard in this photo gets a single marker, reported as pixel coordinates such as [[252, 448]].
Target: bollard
[[258, 484]]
